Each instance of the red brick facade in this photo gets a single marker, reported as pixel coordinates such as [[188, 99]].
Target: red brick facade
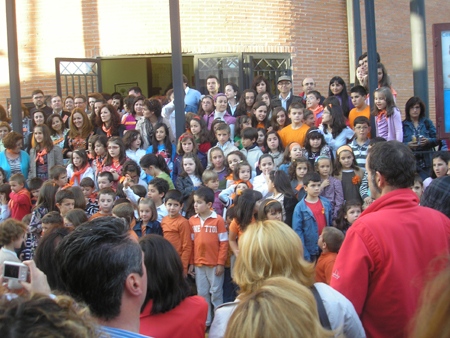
[[313, 32]]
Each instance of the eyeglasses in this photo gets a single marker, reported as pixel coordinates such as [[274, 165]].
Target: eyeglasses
[[284, 83], [309, 84], [361, 128]]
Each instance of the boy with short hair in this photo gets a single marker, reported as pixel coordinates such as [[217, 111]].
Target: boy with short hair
[[308, 118], [311, 215], [358, 95], [210, 179], [313, 102], [106, 198], [34, 186], [105, 180], [87, 186], [210, 249], [296, 131], [250, 147], [176, 228], [20, 198], [223, 133], [157, 189], [58, 174], [65, 201], [418, 185], [52, 220], [330, 241], [360, 144]]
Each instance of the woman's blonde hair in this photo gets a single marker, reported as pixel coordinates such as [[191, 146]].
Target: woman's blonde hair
[[268, 249], [281, 307], [87, 126], [432, 316]]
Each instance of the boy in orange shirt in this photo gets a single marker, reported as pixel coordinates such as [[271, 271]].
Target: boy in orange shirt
[[176, 228], [330, 241], [106, 198], [296, 131], [210, 249], [20, 199], [359, 95]]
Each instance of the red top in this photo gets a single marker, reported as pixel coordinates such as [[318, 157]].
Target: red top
[[385, 260], [188, 319], [319, 214], [20, 204]]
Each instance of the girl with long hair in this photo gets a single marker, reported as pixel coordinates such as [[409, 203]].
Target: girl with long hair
[[338, 89], [44, 155]]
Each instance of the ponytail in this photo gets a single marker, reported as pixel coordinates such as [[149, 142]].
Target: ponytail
[[162, 165]]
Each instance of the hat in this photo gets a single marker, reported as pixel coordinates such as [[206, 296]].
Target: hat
[[284, 78]]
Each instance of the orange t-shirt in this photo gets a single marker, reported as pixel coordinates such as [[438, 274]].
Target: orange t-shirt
[[354, 114], [324, 267], [261, 125], [289, 135], [98, 214], [178, 232], [236, 228]]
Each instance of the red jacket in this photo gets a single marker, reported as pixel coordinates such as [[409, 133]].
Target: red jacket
[[382, 264], [20, 204]]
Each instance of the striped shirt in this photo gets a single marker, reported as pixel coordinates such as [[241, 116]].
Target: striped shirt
[[118, 333], [360, 152]]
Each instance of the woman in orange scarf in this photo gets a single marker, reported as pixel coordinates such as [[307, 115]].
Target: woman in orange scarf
[[109, 122], [44, 154], [79, 168], [80, 129]]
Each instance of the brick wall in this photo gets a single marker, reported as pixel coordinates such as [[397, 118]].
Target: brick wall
[[315, 33]]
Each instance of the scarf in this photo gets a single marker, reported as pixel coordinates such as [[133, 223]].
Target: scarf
[[107, 131], [100, 164], [77, 174], [55, 142], [381, 114], [40, 156]]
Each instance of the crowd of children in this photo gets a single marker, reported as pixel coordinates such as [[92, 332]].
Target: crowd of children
[[301, 165]]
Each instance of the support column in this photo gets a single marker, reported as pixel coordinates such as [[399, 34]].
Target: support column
[[419, 51], [372, 55], [13, 60], [177, 65]]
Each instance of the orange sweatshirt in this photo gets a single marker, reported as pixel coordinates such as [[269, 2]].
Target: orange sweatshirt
[[324, 267], [178, 232], [210, 240]]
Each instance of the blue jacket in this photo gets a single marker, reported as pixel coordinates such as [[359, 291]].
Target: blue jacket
[[426, 129], [305, 225], [151, 228], [24, 164]]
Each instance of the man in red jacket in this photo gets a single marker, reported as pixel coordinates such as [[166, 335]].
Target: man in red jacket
[[389, 251]]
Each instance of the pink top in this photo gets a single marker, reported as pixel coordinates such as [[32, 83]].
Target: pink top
[[129, 122]]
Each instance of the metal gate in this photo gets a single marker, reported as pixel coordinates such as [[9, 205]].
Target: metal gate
[[78, 76], [241, 69]]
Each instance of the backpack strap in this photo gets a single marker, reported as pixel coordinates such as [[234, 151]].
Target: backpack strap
[[321, 309]]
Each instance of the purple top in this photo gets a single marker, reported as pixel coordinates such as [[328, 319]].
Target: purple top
[[390, 128], [227, 118], [334, 194]]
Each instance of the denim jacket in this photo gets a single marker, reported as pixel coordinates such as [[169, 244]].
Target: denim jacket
[[426, 129], [305, 225], [152, 227]]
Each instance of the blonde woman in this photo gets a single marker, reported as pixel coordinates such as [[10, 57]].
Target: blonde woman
[[272, 249], [281, 307]]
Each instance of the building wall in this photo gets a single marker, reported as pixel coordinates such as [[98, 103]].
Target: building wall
[[314, 32]]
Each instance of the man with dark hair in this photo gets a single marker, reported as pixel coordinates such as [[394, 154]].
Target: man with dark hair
[[39, 103], [135, 91], [192, 97], [57, 106], [387, 252], [213, 85], [80, 102], [101, 264]]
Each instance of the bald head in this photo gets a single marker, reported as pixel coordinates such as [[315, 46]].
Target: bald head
[[309, 84]]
